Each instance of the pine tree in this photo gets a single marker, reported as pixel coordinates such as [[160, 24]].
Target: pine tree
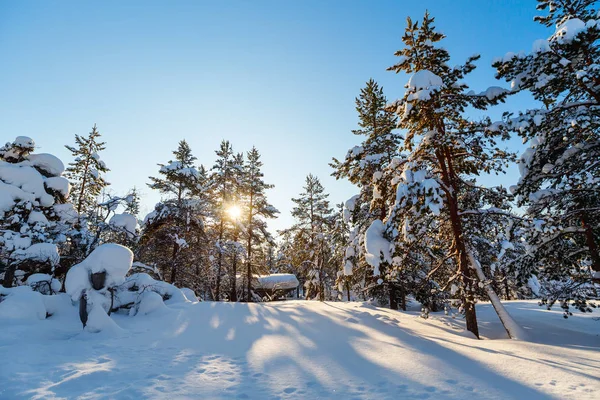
[[257, 209], [132, 202], [85, 172], [445, 151], [35, 216], [313, 217], [363, 167], [237, 198], [176, 226], [560, 172], [221, 185]]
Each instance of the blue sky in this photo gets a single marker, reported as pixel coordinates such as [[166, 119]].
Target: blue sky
[[280, 75]]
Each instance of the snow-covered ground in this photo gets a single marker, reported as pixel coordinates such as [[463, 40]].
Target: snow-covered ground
[[300, 349]]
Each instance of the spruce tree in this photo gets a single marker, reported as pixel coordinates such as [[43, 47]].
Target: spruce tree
[[560, 174]]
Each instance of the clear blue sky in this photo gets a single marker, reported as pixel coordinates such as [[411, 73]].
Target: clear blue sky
[[280, 75]]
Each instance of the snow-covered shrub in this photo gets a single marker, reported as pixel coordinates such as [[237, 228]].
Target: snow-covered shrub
[[44, 283], [101, 286], [34, 213]]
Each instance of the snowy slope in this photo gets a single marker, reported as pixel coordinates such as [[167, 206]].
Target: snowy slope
[[299, 349]]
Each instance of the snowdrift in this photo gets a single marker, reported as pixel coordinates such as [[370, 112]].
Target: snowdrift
[[297, 349]]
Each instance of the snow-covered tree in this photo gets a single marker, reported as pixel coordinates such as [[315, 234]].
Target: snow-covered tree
[[445, 151], [364, 166], [85, 172], [222, 186], [174, 232], [34, 212], [312, 215], [257, 210], [560, 170]]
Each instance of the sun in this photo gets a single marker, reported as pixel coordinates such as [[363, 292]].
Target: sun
[[234, 211]]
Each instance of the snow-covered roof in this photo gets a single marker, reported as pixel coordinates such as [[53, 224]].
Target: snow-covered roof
[[275, 281]]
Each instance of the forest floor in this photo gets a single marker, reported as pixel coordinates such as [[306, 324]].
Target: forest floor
[[301, 349]]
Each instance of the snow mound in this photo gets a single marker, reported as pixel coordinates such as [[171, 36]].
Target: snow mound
[[189, 294], [48, 164], [22, 303], [142, 282], [43, 283], [150, 302], [114, 259], [99, 321], [111, 258]]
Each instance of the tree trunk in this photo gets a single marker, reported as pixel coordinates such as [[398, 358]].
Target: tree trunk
[[249, 250], [402, 298], [593, 247], [514, 331], [348, 290], [174, 263], [448, 176], [506, 288], [233, 290], [9, 275], [393, 298], [219, 261]]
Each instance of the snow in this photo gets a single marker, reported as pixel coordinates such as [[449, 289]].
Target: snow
[[124, 221], [21, 182], [376, 246], [99, 321], [21, 303], [49, 164], [493, 92], [568, 30], [189, 294], [424, 79], [37, 217], [540, 46], [58, 184], [111, 258], [301, 349], [43, 252], [24, 142], [150, 302], [42, 281], [275, 281]]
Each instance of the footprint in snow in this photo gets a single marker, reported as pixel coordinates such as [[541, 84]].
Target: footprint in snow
[[289, 390], [352, 320]]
